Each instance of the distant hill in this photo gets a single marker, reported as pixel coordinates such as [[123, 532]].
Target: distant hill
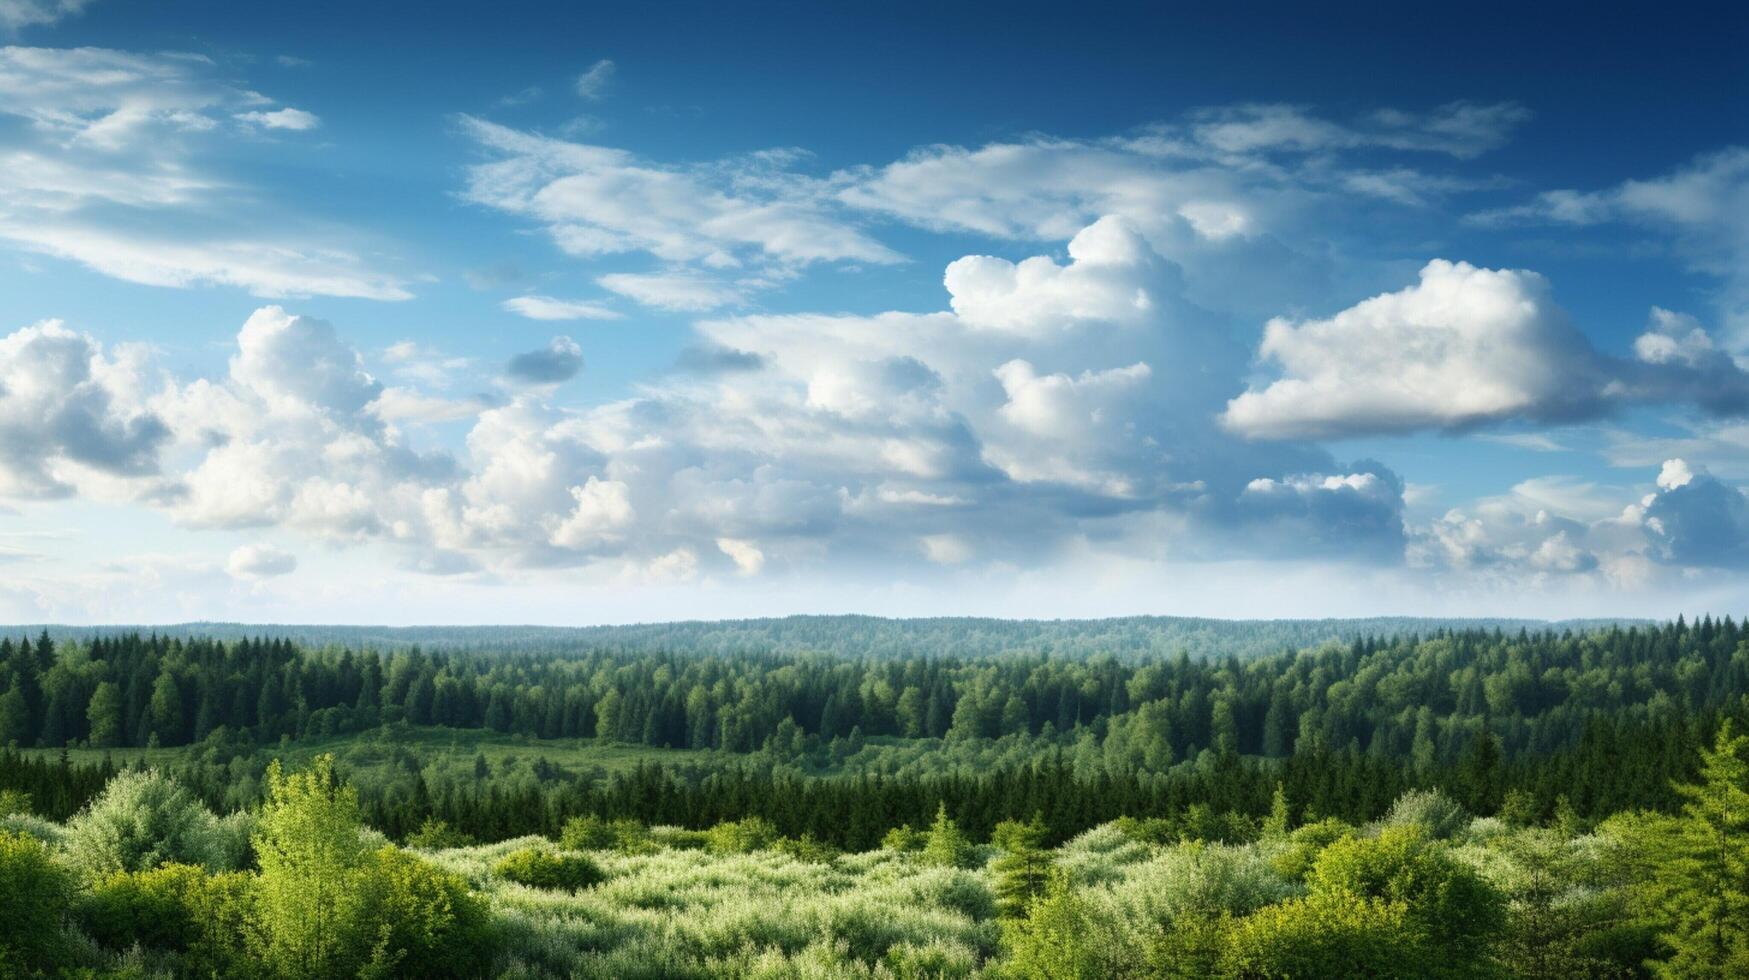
[[866, 635]]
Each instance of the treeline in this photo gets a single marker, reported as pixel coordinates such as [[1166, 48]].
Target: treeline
[[1136, 637], [1619, 764], [1422, 699]]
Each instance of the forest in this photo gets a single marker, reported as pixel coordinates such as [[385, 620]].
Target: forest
[[1446, 799]]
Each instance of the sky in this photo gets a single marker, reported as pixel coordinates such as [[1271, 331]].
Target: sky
[[562, 313]]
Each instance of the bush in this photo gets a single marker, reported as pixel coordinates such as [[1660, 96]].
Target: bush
[[806, 849], [425, 920], [741, 836], [326, 905], [593, 833], [539, 868], [437, 835], [1326, 936], [1449, 902], [1439, 815], [946, 845], [1304, 845], [177, 907], [142, 820], [34, 897], [905, 839]]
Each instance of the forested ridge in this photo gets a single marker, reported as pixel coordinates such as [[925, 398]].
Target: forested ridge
[[1464, 802]]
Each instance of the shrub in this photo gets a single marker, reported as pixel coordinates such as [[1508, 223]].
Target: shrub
[[946, 845], [34, 896], [1061, 938], [176, 907], [1439, 815], [1304, 845], [14, 801], [539, 868], [905, 839], [593, 833], [741, 836], [1450, 902], [142, 820], [1326, 936], [806, 849], [425, 921], [328, 905], [437, 835]]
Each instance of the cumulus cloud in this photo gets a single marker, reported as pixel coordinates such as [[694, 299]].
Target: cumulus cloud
[[559, 361], [259, 561], [110, 169], [63, 402], [1697, 519], [547, 308], [1465, 347]]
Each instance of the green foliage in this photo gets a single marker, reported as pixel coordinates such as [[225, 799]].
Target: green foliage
[[142, 820], [423, 920], [594, 833], [1328, 936], [537, 867], [1060, 938], [1696, 867], [946, 845], [1023, 868], [13, 801], [806, 848], [327, 905], [435, 835], [34, 898], [1295, 859], [175, 907], [905, 839], [1438, 815], [310, 913], [1453, 906], [741, 836]]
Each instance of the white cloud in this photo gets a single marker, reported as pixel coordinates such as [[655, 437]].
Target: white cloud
[[746, 555], [15, 14], [66, 406], [682, 292], [258, 561], [111, 167], [597, 201], [296, 120], [559, 361], [1464, 347], [593, 84], [1702, 206], [547, 308]]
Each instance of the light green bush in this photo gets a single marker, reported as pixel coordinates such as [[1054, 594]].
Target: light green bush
[[1440, 816], [35, 894], [540, 868], [142, 820], [740, 836]]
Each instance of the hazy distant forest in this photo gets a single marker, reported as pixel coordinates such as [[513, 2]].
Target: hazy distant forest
[[829, 797]]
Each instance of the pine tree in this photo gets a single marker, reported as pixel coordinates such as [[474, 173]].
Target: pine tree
[[1700, 867], [947, 845]]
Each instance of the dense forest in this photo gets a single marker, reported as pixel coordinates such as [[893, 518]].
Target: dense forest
[[999, 811]]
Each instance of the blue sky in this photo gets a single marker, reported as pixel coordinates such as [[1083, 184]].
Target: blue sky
[[562, 313]]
